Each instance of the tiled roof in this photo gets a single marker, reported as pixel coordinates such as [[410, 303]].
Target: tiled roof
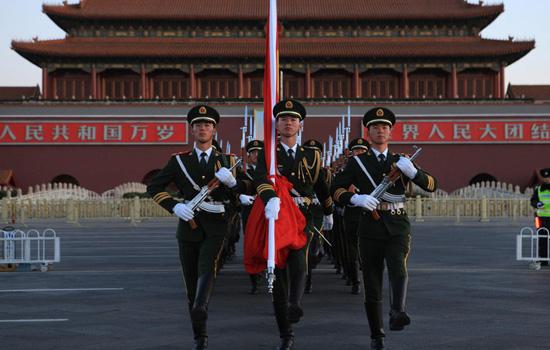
[[368, 48], [288, 9], [13, 93], [536, 92]]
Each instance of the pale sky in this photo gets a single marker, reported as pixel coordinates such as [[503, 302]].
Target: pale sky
[[522, 19]]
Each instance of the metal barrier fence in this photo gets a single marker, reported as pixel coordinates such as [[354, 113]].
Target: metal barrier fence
[[136, 209], [31, 247], [528, 243]]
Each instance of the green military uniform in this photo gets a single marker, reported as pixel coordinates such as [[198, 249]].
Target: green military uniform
[[304, 172], [386, 239], [314, 254], [247, 177], [199, 248], [540, 200], [352, 217]]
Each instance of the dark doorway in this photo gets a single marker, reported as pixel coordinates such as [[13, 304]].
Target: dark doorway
[[483, 177], [65, 179], [149, 176]]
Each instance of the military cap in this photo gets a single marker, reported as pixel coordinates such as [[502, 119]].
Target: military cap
[[291, 108], [203, 113], [358, 143], [254, 145], [379, 115], [313, 144], [216, 145], [545, 172]]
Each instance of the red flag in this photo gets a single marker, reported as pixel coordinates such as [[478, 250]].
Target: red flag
[[289, 227]]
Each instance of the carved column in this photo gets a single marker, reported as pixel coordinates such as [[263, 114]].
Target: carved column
[[308, 81], [45, 83], [94, 82], [241, 81], [357, 81], [454, 82], [405, 82], [192, 81]]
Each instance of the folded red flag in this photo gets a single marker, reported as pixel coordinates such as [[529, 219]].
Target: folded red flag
[[289, 231]]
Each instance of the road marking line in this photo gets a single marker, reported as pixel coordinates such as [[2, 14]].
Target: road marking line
[[36, 320], [58, 290]]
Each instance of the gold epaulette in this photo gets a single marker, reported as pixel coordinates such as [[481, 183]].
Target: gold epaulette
[[178, 153], [431, 183], [338, 193], [161, 196], [263, 188], [328, 202]]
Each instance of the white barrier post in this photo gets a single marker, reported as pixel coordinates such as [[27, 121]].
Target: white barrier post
[[418, 209], [484, 217]]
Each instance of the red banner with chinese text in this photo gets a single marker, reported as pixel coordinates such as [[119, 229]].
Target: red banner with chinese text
[[470, 131], [63, 132]]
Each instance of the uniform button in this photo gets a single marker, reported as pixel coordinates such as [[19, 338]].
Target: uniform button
[[383, 174], [202, 176], [292, 174]]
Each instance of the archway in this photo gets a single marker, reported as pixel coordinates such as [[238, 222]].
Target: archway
[[149, 176], [66, 179], [483, 177]]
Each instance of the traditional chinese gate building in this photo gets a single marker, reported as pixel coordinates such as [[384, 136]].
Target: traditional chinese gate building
[[115, 91], [141, 49]]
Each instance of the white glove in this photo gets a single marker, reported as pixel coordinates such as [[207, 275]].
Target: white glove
[[406, 166], [183, 211], [272, 208], [315, 201], [364, 200], [328, 222], [246, 199], [225, 177], [299, 201]]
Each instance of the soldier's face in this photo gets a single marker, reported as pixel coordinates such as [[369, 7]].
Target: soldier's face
[[380, 134], [253, 156], [546, 180], [203, 131], [288, 126], [358, 151]]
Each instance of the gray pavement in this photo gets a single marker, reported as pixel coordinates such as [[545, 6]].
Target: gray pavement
[[120, 287]]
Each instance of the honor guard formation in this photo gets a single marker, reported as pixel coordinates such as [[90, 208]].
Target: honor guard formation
[[351, 213]]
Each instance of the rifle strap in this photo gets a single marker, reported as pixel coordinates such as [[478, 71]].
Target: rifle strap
[[184, 169], [362, 166]]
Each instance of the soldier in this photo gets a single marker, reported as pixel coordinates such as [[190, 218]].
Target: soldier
[[302, 167], [247, 176], [386, 238], [352, 215], [541, 202], [199, 247], [315, 253]]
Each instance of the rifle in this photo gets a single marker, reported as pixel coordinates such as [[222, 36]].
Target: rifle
[[388, 181], [204, 193]]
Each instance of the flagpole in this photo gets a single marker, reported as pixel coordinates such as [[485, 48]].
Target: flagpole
[[271, 96]]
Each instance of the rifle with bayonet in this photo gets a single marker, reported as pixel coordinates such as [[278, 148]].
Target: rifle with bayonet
[[204, 192], [388, 181]]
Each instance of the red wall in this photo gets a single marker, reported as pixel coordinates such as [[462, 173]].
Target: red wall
[[100, 168]]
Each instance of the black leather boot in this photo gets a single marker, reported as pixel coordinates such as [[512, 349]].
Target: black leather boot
[[308, 288], [205, 285], [297, 287], [377, 344], [398, 317], [285, 328], [376, 324], [199, 333], [253, 284]]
